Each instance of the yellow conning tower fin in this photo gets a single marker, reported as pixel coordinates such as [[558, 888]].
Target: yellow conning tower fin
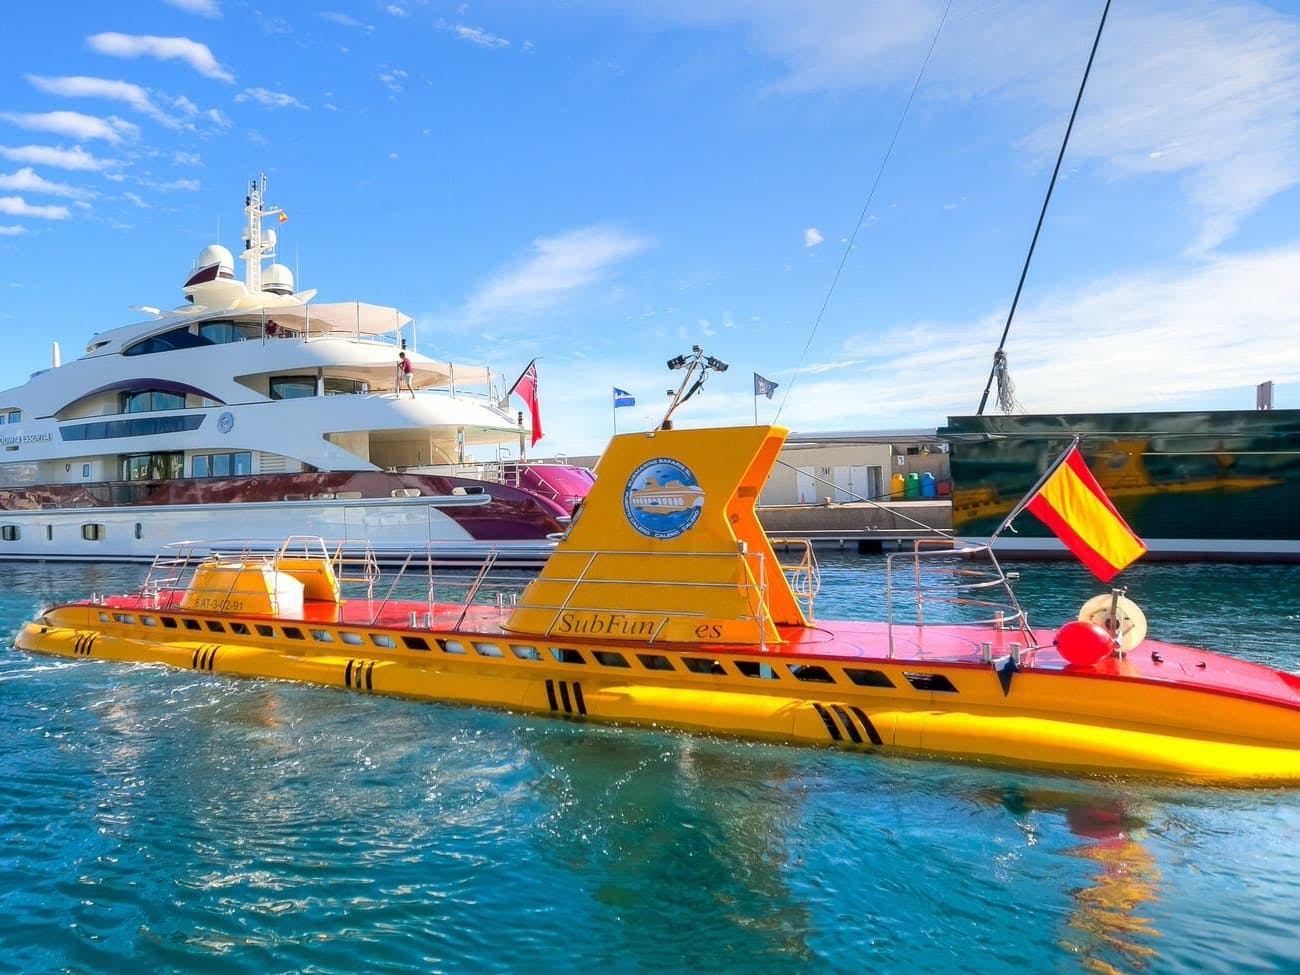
[[667, 546]]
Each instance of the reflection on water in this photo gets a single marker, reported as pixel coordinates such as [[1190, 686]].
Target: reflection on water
[[159, 820], [1106, 925]]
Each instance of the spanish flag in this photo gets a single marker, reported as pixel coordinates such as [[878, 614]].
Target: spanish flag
[[283, 216], [1073, 505]]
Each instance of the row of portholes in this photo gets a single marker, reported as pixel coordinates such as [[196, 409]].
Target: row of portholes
[[805, 673], [90, 532]]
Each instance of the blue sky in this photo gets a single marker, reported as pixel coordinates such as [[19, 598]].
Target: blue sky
[[604, 184]]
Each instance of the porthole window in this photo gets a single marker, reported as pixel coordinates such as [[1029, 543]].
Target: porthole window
[[92, 532], [10, 533]]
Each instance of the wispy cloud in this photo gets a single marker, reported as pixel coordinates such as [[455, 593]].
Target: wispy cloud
[[394, 10], [556, 268], [812, 237], [196, 55], [345, 20], [78, 86], [1208, 90], [1212, 330], [11, 230], [473, 35], [76, 158], [392, 79], [16, 206], [29, 181], [271, 99], [75, 125], [204, 8]]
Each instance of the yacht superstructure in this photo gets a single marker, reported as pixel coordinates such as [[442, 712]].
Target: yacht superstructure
[[251, 411]]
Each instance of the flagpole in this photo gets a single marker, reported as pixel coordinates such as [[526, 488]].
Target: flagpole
[[1029, 495], [613, 398], [756, 409], [530, 365]]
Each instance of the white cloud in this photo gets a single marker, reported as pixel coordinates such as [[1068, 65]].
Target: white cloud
[[75, 125], [75, 158], [394, 10], [557, 268], [11, 230], [345, 20], [16, 206], [204, 8], [1206, 90], [196, 55], [218, 118], [1212, 330], [186, 158], [188, 185], [78, 86], [812, 237], [29, 181], [137, 200], [271, 99], [392, 79], [474, 35]]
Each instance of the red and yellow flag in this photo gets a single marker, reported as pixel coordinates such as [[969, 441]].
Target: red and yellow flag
[[1073, 505]]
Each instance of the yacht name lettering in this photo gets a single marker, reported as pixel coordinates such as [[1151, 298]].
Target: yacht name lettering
[[26, 438], [606, 624]]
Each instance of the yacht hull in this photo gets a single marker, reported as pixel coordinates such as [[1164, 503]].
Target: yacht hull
[[393, 528]]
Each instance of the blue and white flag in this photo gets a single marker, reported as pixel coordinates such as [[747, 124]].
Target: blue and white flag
[[623, 398], [764, 387]]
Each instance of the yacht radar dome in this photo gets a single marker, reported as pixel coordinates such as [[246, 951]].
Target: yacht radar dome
[[213, 276], [278, 280]]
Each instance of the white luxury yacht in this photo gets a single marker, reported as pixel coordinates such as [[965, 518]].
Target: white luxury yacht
[[250, 412]]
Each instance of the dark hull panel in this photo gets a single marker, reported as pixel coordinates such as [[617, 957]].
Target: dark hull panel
[[511, 514], [1195, 483]]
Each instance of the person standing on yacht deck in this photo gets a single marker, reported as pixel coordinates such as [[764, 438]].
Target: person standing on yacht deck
[[404, 375]]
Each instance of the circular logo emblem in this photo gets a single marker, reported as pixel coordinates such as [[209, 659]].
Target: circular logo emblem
[[662, 498], [226, 422]]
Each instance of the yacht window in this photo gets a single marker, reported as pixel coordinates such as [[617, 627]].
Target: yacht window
[[264, 630], [11, 533], [220, 333], [292, 387], [382, 640], [92, 532], [177, 338], [221, 465], [15, 416], [145, 426], [153, 467], [342, 387], [149, 400]]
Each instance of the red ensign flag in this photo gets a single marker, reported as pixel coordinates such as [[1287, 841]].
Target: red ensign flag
[[1072, 504], [526, 387]]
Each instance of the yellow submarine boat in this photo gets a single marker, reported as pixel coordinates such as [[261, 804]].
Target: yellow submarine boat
[[683, 617]]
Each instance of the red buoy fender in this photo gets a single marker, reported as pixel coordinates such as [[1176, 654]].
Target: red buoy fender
[[1084, 644]]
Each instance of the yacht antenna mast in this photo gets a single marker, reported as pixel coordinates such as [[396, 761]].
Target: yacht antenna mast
[[258, 245]]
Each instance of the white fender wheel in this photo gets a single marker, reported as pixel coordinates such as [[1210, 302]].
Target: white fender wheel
[[1129, 623]]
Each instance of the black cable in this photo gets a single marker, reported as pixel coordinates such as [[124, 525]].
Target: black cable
[[1006, 329], [863, 215]]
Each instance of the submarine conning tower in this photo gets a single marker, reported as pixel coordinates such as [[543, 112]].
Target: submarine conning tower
[[667, 546]]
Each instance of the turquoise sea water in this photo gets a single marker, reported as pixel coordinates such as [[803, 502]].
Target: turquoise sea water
[[154, 820]]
